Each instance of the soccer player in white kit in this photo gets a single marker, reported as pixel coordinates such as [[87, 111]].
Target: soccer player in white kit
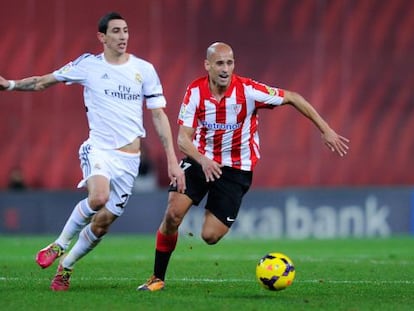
[[116, 85], [218, 133]]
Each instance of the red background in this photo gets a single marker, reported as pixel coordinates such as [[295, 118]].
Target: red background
[[352, 59]]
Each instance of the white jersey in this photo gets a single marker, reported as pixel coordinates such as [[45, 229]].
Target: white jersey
[[114, 96]]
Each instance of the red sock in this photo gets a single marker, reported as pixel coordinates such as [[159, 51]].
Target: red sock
[[166, 243]]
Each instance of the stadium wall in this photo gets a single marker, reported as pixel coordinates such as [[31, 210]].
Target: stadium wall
[[353, 59], [291, 213]]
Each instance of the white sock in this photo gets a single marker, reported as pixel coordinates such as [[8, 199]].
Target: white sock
[[86, 242], [80, 217]]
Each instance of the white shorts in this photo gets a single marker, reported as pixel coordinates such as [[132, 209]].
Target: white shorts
[[121, 169]]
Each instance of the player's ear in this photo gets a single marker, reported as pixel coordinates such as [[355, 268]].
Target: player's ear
[[207, 65], [101, 37]]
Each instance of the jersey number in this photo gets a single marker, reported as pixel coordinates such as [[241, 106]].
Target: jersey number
[[184, 165], [123, 203]]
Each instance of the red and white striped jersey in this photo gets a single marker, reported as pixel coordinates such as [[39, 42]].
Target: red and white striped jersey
[[226, 131]]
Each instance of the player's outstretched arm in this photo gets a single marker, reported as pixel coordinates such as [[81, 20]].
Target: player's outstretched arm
[[336, 143], [35, 83]]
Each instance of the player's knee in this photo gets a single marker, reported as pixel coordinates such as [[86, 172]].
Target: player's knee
[[100, 227], [172, 220], [210, 238], [101, 222], [99, 231], [97, 201]]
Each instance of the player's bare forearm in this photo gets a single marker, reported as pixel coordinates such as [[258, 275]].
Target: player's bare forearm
[[162, 126], [28, 84], [211, 169], [185, 144], [303, 106], [163, 129], [331, 139], [35, 83]]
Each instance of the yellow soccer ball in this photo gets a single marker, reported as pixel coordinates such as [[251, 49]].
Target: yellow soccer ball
[[275, 271]]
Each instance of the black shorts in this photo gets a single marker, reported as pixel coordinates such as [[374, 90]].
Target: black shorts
[[224, 194]]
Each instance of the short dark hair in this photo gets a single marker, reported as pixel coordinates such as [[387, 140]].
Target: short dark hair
[[104, 21]]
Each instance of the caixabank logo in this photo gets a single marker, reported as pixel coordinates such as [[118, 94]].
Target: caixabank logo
[[321, 214]]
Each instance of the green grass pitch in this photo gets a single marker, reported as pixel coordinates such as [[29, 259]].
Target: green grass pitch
[[342, 274]]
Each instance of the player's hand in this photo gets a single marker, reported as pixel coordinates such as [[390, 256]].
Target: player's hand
[[336, 143], [177, 178], [211, 169], [4, 84]]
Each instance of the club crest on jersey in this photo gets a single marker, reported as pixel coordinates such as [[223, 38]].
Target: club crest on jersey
[[182, 111], [138, 78], [236, 108], [271, 90]]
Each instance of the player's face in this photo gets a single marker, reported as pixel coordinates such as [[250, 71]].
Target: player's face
[[116, 37], [220, 66]]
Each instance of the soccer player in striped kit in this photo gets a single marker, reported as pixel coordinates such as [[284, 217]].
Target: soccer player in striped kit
[[218, 134], [116, 85]]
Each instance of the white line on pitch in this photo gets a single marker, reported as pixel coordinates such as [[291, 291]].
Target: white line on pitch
[[208, 280]]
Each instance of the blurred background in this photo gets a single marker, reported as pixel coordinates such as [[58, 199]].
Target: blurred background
[[352, 59]]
